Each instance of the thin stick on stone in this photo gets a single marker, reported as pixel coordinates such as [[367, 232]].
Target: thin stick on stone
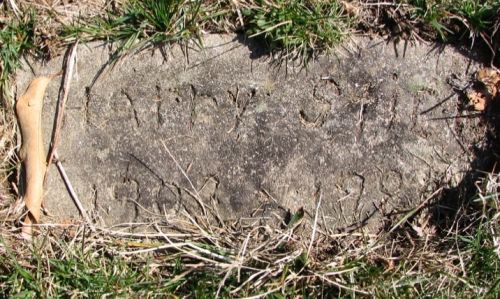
[[72, 192], [61, 103], [415, 210], [56, 135], [313, 235], [197, 197]]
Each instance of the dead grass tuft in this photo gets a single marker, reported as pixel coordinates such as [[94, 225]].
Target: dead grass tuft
[[250, 258]]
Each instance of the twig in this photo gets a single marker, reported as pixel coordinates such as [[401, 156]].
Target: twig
[[208, 252], [56, 134], [222, 282], [241, 253], [15, 8], [191, 254], [415, 210], [204, 233], [62, 98], [238, 11], [197, 197], [153, 249], [143, 236], [315, 225], [249, 279], [71, 191]]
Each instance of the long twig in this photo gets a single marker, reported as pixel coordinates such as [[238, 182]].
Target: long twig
[[238, 11], [194, 254], [197, 197], [315, 225], [415, 210], [15, 8], [61, 103], [72, 192], [56, 133]]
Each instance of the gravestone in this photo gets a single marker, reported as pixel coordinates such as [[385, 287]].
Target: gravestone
[[223, 128]]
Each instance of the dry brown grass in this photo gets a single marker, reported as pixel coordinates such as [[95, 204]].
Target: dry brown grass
[[250, 258]]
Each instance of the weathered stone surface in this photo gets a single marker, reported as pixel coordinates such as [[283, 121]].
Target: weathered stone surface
[[253, 139]]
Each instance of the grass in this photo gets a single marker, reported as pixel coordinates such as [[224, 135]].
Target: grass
[[235, 260], [293, 29], [298, 28], [141, 24], [474, 18], [71, 261], [16, 38]]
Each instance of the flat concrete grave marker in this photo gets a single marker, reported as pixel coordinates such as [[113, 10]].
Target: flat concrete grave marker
[[252, 140]]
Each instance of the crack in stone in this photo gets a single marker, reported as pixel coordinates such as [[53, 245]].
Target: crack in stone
[[131, 102], [148, 168], [88, 98], [392, 111], [192, 107], [361, 190], [159, 117]]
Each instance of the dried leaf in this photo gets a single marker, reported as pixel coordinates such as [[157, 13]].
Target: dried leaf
[[485, 92], [352, 9], [479, 100], [490, 78], [32, 153]]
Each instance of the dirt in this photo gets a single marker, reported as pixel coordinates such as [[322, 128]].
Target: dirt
[[361, 129]]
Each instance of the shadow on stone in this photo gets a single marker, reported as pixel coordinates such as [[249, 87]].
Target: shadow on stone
[[257, 46], [452, 209]]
